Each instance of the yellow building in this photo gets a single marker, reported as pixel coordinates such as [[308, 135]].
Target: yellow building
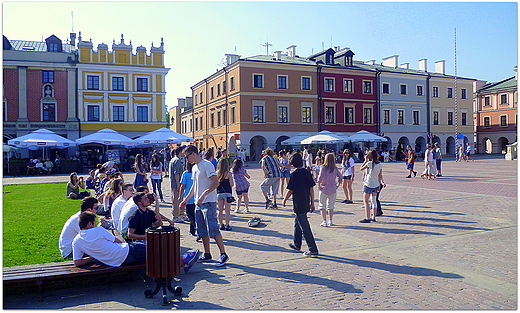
[[121, 90]]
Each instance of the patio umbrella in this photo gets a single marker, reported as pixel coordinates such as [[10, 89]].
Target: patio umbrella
[[41, 138], [163, 136], [296, 140], [365, 136], [323, 137], [108, 137], [8, 148]]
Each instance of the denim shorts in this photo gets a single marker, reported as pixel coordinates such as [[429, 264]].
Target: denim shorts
[[223, 196], [239, 192], [348, 177], [286, 174], [206, 220], [409, 166], [369, 190]]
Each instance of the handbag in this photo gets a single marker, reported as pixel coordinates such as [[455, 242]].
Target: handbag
[[230, 199]]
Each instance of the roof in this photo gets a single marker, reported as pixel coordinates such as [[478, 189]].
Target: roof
[[39, 46], [401, 70], [284, 59], [506, 84]]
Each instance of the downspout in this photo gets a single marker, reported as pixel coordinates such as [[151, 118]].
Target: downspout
[[193, 115], [378, 102], [207, 116], [227, 105], [320, 100], [428, 109]]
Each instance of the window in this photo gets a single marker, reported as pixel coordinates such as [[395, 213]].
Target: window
[[503, 120], [201, 126], [329, 114], [233, 119], [119, 113], [415, 116], [212, 119], [196, 99], [200, 96], [367, 115], [450, 118], [92, 82], [218, 90], [386, 88], [224, 87], [258, 81], [349, 115], [419, 90], [464, 118], [283, 114], [282, 82], [142, 114], [258, 114], [403, 89], [435, 117], [386, 116], [232, 83], [224, 117], [435, 92], [52, 47], [48, 76], [93, 113], [463, 93], [487, 101], [307, 113], [118, 83], [449, 92], [487, 121], [367, 86], [211, 93], [49, 112], [503, 99], [400, 117], [329, 84], [196, 124], [142, 84], [218, 119], [348, 85], [4, 116], [306, 83]]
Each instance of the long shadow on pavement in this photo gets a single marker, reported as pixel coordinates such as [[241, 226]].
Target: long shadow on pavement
[[390, 230], [440, 220], [415, 211]]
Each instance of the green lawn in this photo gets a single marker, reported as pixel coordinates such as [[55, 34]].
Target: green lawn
[[33, 216]]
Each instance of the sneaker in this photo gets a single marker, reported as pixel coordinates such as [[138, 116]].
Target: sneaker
[[292, 246], [409, 176], [199, 239], [345, 201], [236, 211], [308, 254], [223, 260], [205, 257], [247, 211], [274, 206], [329, 223], [365, 221], [267, 204], [191, 259], [228, 227], [414, 174], [324, 224], [222, 227]]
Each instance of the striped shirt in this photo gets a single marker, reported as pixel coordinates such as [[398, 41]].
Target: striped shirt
[[272, 166]]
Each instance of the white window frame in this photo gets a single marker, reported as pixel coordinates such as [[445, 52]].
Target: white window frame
[[345, 85], [112, 76], [149, 112], [448, 111], [253, 82], [389, 89], [285, 104], [310, 83], [259, 103], [507, 99], [435, 91], [507, 120], [98, 105], [286, 82], [353, 107], [333, 107], [326, 85], [463, 93], [148, 82], [232, 83], [417, 90], [125, 110], [448, 93], [389, 116], [418, 117], [307, 104], [371, 90], [438, 115], [467, 117], [401, 89], [484, 121], [371, 115], [95, 75], [404, 117]]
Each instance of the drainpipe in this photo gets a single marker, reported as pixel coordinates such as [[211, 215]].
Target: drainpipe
[[227, 106], [378, 102], [428, 109], [320, 100], [193, 116], [207, 116]]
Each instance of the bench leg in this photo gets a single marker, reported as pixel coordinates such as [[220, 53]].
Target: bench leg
[[39, 284], [165, 283]]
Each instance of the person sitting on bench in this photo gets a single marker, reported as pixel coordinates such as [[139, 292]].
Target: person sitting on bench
[[143, 217]]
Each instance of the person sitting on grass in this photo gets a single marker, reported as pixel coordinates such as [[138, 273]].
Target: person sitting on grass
[[74, 185], [71, 227], [100, 244]]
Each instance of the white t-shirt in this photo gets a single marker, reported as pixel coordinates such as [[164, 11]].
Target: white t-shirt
[[98, 243], [124, 217], [68, 232], [201, 173], [347, 167], [372, 175], [156, 175], [116, 209]]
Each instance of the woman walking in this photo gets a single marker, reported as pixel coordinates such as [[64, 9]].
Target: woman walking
[[241, 177], [140, 172], [329, 180], [438, 160], [348, 175], [156, 175], [429, 165], [224, 192], [372, 181], [410, 162], [286, 171]]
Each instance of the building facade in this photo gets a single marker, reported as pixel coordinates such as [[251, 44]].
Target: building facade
[[496, 115]]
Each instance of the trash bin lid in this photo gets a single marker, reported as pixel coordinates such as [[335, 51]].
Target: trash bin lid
[[161, 229]]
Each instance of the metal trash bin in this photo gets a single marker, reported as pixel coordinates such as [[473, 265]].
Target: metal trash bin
[[163, 259]]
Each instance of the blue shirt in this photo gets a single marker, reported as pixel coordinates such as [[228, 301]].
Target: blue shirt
[[186, 180]]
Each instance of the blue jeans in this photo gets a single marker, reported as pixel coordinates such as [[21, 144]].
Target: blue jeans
[[303, 228], [190, 211], [136, 253], [206, 219], [156, 184]]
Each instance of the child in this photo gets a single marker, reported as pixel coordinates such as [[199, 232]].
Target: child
[[317, 167], [240, 177], [224, 191], [327, 187], [301, 187], [185, 186]]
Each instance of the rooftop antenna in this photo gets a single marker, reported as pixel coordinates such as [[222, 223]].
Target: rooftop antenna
[[72, 16], [267, 45]]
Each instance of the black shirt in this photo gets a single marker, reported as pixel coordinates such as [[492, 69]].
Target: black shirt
[[300, 183], [140, 220]]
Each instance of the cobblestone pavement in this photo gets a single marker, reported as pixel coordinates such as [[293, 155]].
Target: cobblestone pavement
[[449, 243]]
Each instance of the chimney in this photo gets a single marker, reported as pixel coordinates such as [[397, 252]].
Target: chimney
[[370, 62], [73, 40], [440, 66], [231, 58], [405, 65], [391, 61], [277, 55], [423, 66], [291, 51]]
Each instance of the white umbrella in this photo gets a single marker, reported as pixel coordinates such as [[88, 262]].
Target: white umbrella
[[323, 137], [365, 136], [107, 137], [163, 136], [41, 138], [296, 140], [8, 148]]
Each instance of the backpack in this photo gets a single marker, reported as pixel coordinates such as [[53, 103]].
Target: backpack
[[254, 222]]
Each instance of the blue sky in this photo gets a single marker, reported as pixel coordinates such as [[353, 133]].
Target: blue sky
[[198, 34]]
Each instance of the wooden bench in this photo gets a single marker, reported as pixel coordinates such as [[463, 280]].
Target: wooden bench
[[39, 273]]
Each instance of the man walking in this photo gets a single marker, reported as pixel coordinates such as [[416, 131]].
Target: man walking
[[272, 175], [176, 169]]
